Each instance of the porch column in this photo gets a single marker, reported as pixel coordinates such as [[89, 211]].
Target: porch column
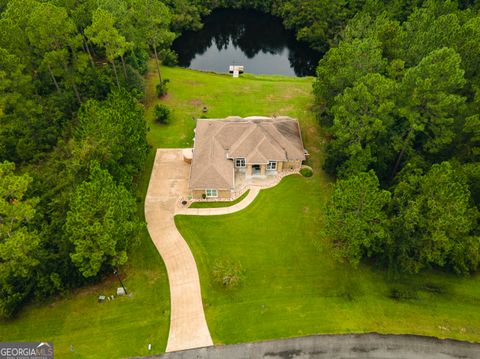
[[262, 170], [249, 169]]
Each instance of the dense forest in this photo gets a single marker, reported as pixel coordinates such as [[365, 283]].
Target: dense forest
[[398, 91]]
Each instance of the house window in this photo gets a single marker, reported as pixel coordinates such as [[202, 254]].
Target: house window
[[272, 165], [240, 162], [211, 193]]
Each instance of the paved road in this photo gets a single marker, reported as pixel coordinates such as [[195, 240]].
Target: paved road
[[168, 182], [351, 346]]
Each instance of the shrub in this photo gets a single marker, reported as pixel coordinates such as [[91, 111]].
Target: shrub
[[227, 274], [162, 88], [135, 83], [306, 171], [403, 294], [433, 288], [162, 113], [169, 57]]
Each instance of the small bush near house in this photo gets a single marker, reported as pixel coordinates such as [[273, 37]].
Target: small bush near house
[[227, 274], [306, 171], [162, 114]]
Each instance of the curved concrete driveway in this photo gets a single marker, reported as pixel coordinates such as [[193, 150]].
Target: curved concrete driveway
[[169, 181]]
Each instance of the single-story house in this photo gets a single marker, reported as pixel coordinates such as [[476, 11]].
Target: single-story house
[[229, 152]]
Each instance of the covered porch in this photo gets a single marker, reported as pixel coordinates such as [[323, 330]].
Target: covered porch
[[260, 175]]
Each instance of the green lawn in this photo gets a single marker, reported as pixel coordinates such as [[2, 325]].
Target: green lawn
[[292, 286], [126, 326], [190, 91], [219, 204]]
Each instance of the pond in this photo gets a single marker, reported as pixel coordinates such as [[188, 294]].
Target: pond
[[253, 39]]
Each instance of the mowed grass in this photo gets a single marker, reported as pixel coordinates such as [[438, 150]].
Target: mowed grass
[[219, 204], [292, 286], [249, 95]]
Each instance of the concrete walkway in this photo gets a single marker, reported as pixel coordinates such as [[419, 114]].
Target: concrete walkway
[[168, 182], [221, 210]]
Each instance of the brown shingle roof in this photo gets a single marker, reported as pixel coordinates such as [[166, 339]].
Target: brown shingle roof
[[257, 139]]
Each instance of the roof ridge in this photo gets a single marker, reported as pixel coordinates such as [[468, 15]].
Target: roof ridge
[[242, 138], [267, 134]]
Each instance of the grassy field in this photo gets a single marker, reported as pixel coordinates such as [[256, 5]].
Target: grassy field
[[292, 286], [190, 91], [218, 204]]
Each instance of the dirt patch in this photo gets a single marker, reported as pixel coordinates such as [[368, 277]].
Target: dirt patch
[[196, 102], [192, 82], [292, 92], [286, 109]]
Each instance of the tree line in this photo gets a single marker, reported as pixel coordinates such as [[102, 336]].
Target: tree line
[[401, 102]]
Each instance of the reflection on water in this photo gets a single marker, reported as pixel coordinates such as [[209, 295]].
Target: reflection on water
[[243, 37]]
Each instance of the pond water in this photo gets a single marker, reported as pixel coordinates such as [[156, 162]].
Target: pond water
[[242, 37]]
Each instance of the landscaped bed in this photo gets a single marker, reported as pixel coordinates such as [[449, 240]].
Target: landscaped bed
[[219, 204]]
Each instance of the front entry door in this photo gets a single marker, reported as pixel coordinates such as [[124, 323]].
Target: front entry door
[[255, 170]]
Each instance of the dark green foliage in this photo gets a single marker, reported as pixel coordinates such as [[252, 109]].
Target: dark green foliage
[[169, 57], [101, 223], [113, 132], [162, 114], [434, 221], [135, 84], [344, 65], [306, 172], [18, 241], [355, 220], [162, 88], [402, 108], [363, 115]]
